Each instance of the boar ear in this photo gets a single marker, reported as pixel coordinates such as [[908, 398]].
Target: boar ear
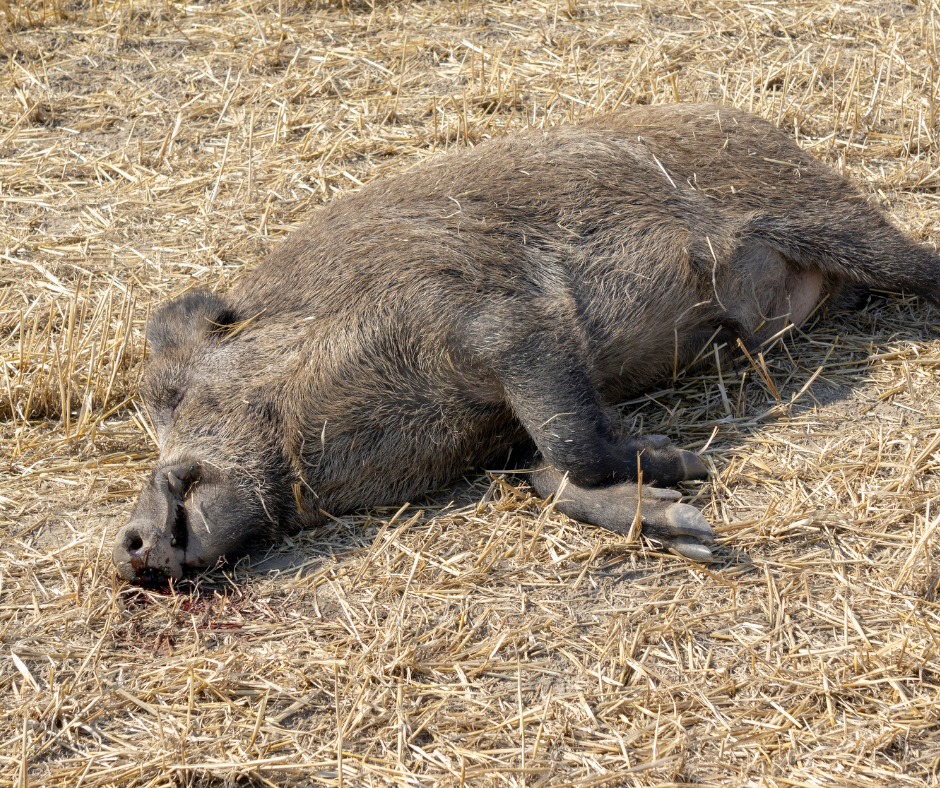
[[188, 320]]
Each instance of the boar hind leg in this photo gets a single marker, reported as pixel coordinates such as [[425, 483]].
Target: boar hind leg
[[676, 525], [854, 248]]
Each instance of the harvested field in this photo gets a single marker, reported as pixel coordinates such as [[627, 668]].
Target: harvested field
[[476, 638]]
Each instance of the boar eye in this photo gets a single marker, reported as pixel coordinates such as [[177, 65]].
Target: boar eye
[[174, 400]]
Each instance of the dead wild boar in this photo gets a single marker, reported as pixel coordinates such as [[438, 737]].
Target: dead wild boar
[[508, 293]]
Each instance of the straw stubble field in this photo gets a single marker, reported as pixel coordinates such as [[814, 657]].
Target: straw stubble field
[[150, 147]]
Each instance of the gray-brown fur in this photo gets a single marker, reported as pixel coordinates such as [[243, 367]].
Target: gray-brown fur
[[507, 293]]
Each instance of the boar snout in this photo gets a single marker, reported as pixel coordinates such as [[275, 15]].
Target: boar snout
[[153, 543], [142, 552], [190, 515]]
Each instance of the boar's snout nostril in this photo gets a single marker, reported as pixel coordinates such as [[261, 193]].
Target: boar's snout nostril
[[131, 539], [133, 542]]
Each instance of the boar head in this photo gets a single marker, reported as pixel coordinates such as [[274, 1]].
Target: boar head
[[214, 404]]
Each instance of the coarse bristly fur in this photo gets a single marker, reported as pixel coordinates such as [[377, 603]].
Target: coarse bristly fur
[[508, 293]]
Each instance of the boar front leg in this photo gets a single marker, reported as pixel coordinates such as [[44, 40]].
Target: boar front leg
[[551, 392]]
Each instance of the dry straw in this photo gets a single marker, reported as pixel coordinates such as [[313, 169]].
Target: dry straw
[[150, 147]]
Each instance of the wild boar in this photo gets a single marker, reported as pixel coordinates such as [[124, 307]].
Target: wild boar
[[505, 294]]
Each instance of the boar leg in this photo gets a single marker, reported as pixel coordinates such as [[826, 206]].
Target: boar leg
[[852, 245], [551, 393], [676, 525]]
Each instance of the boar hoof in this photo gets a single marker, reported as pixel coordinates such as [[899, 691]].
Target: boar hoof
[[652, 441], [694, 551], [664, 464], [687, 532], [693, 466]]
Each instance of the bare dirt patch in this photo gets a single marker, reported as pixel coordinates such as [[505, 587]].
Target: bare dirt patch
[[147, 148]]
